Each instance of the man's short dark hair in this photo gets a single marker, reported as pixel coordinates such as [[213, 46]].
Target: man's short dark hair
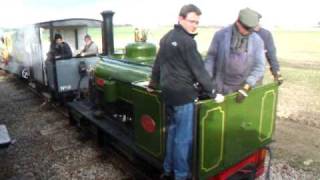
[[57, 36], [186, 9]]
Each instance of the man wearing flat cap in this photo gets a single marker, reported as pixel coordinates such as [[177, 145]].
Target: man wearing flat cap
[[235, 58]]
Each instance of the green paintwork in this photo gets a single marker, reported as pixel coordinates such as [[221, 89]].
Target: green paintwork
[[144, 103], [122, 71], [120, 78], [141, 52], [149, 104], [212, 122], [229, 132], [124, 91], [110, 87], [117, 55], [116, 91]]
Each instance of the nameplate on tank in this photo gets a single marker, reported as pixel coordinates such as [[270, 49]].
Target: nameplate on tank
[[65, 88]]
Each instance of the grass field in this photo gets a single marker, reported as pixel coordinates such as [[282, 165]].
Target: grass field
[[298, 47]]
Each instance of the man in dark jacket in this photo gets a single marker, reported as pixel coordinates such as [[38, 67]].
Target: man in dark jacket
[[60, 49], [178, 67], [270, 52]]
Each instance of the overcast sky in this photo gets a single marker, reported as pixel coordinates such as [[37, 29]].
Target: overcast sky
[[151, 13]]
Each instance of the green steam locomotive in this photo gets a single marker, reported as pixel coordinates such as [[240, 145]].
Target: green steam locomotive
[[229, 138]]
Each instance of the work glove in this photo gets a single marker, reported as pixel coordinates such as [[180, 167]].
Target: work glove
[[243, 93], [278, 78], [151, 86], [217, 97]]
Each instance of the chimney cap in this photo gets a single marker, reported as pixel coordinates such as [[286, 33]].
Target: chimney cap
[[107, 12]]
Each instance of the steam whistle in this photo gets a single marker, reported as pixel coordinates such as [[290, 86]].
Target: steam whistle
[[140, 35]]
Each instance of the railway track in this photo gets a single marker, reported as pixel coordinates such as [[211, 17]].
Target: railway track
[[47, 147]]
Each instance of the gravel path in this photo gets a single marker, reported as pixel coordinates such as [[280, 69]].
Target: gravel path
[[46, 147]]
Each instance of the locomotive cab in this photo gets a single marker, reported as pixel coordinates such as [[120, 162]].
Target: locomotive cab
[[64, 77], [26, 55]]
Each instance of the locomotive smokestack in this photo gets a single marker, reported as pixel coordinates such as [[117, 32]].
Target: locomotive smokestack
[[107, 33]]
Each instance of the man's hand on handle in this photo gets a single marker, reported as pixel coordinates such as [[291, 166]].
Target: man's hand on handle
[[217, 97], [278, 78], [243, 93]]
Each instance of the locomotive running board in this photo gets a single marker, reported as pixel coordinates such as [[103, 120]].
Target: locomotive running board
[[81, 113]]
